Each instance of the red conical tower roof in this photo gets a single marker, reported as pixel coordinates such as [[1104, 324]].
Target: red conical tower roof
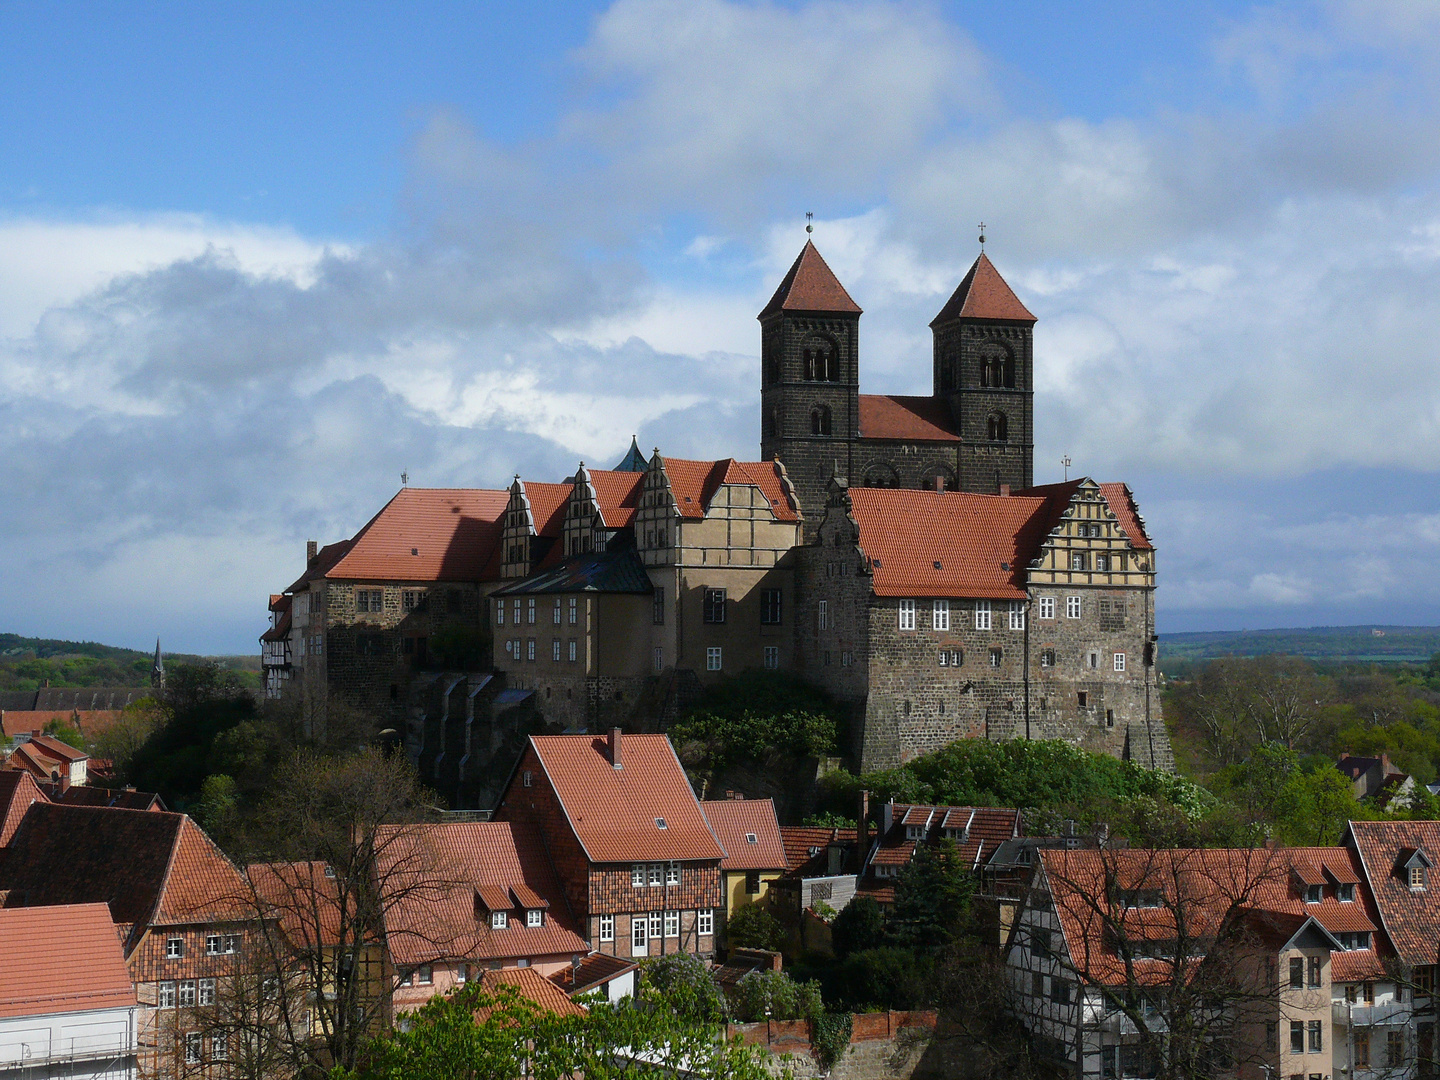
[[983, 295], [810, 286]]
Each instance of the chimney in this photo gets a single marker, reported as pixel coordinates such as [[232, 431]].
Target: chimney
[[311, 550], [615, 759], [939, 483], [862, 831], [1004, 489]]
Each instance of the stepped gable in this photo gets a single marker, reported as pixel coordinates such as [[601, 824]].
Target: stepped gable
[[1122, 505], [983, 294], [502, 863], [61, 959], [694, 484], [810, 285], [948, 544], [884, 416]]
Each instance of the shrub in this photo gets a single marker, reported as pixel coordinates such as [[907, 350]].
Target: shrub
[[832, 1037], [860, 925], [774, 995], [687, 985], [752, 927]]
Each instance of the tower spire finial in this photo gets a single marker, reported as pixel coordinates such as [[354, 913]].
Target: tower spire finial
[[809, 226], [982, 238]]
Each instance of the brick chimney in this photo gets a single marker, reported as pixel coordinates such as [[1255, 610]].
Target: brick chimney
[[1004, 489], [311, 550], [862, 832], [615, 752]]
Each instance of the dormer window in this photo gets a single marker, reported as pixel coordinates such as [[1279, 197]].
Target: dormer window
[[498, 920], [914, 832], [534, 917], [1416, 877], [1415, 865], [1345, 892], [1314, 893]]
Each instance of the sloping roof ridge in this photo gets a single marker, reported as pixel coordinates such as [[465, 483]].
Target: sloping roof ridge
[[817, 280], [169, 867], [570, 821], [688, 787], [1369, 881], [983, 293]]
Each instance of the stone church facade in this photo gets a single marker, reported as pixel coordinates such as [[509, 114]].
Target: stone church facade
[[890, 549]]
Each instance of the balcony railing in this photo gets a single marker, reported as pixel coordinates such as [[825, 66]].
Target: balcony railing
[[1362, 1015]]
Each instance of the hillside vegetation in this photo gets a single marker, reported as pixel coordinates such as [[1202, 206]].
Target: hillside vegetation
[[28, 663]]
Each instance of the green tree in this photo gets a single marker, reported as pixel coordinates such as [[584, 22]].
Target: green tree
[[859, 925], [932, 899], [686, 984], [774, 995], [66, 732], [752, 927]]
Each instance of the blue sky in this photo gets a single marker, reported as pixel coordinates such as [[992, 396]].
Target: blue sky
[[256, 260]]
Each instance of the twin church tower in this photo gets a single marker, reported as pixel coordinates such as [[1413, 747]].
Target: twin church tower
[[975, 432]]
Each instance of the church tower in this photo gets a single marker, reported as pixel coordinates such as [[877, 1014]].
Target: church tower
[[810, 379], [984, 372]]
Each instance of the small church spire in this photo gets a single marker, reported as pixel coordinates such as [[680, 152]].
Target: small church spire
[[157, 669], [982, 238]]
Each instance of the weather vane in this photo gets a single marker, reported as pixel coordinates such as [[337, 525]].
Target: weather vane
[[982, 236], [1066, 462], [404, 478], [809, 217]]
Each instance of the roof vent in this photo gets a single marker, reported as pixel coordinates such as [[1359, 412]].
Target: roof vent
[[751, 838], [937, 564], [660, 823], [414, 551]]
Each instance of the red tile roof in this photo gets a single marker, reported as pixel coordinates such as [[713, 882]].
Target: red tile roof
[[303, 899], [694, 484], [426, 534], [617, 496], [61, 959], [1412, 919], [810, 285], [735, 821], [595, 970], [22, 722], [1218, 885], [983, 829], [280, 631], [17, 791], [924, 419], [613, 811], [119, 798], [28, 758], [982, 544], [53, 748], [547, 505], [1122, 505], [532, 985], [151, 868], [437, 871], [983, 294], [801, 840]]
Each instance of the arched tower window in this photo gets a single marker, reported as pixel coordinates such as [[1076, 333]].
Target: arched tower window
[[997, 367], [820, 420], [938, 478], [997, 427], [822, 360], [880, 476]]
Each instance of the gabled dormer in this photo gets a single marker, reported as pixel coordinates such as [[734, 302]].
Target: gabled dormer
[[1414, 868]]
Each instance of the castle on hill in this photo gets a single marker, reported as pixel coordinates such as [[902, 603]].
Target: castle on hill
[[891, 550]]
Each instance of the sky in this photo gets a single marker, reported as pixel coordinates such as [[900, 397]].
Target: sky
[[257, 260]]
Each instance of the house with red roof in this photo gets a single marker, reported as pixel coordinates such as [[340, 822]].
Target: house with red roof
[[754, 851], [638, 861], [18, 790], [67, 1005], [470, 898], [48, 759], [178, 909], [949, 615], [1291, 940], [976, 831]]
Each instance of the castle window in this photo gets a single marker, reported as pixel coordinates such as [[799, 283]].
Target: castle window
[[982, 614], [657, 606], [714, 606], [555, 612], [772, 657], [1102, 563], [1072, 607], [1047, 658], [1119, 661], [881, 476], [499, 612], [820, 423], [769, 607], [822, 362], [907, 615], [940, 617], [995, 657], [822, 611], [712, 658], [938, 480], [1047, 607], [1017, 615], [997, 428], [1079, 561]]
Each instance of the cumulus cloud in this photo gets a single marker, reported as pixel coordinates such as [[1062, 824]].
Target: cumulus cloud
[[1240, 295]]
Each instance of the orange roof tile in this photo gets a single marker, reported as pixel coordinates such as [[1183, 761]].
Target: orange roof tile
[[595, 970], [302, 898], [21, 722], [17, 791], [613, 811], [983, 294], [532, 985], [617, 496], [61, 959], [1411, 918], [925, 419], [1122, 505], [436, 872], [801, 840], [53, 748], [810, 285], [948, 544], [987, 828], [735, 822], [426, 534], [694, 484]]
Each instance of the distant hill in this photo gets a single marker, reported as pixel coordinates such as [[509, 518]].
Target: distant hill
[[1353, 644], [28, 663]]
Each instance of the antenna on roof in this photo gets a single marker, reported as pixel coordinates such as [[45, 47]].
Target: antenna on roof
[[982, 238], [809, 217], [1066, 462], [404, 478]]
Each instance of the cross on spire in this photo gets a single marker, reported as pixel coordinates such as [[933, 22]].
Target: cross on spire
[[982, 236], [1066, 462], [809, 218]]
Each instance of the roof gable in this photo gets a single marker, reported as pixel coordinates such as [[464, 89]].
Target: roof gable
[[694, 484], [17, 791], [748, 831], [983, 294], [810, 285], [615, 813]]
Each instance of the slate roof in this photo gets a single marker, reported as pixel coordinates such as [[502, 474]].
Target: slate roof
[[1218, 884], [810, 285], [694, 484], [922, 419], [18, 790], [983, 294], [595, 571], [597, 969], [735, 821], [83, 698], [426, 534], [61, 959], [442, 869], [634, 460], [1411, 919], [801, 840], [153, 869], [613, 811]]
